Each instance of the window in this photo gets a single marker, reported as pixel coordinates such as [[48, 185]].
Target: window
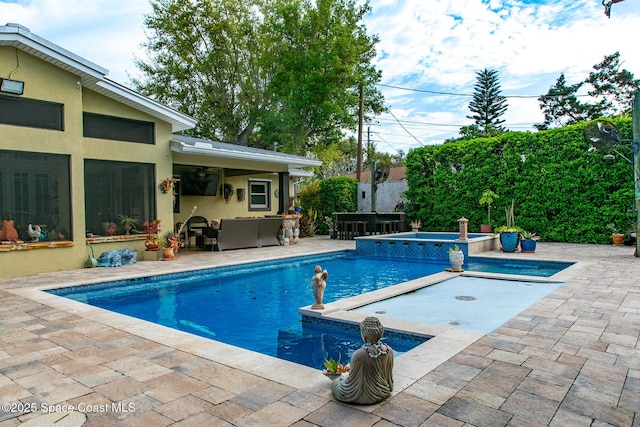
[[117, 188], [35, 189], [31, 113], [118, 128], [259, 191]]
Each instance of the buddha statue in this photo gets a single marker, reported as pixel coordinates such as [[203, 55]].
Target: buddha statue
[[370, 378]]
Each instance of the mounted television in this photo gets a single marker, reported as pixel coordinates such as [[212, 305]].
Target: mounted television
[[199, 183]]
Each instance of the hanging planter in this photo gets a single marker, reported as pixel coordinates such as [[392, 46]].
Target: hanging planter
[[227, 192]]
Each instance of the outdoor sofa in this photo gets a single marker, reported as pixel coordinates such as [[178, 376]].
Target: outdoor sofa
[[240, 233]]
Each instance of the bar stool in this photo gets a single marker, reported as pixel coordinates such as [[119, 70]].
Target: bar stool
[[350, 229], [385, 227]]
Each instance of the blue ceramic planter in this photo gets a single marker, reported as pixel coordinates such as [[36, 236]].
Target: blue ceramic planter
[[528, 245], [509, 241]]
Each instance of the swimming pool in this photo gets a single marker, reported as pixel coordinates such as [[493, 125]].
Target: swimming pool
[[251, 305]]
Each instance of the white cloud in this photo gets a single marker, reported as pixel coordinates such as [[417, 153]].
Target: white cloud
[[439, 45], [435, 45]]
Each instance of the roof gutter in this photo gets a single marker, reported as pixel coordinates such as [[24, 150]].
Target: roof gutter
[[205, 149]]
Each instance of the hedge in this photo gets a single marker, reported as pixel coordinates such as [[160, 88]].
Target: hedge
[[562, 190]]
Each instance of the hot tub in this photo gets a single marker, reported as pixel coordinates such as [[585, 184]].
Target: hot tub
[[425, 245]]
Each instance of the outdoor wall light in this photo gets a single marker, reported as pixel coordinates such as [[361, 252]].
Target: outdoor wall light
[[15, 87]]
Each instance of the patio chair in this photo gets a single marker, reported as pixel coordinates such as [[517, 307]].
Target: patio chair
[[193, 227], [209, 238]]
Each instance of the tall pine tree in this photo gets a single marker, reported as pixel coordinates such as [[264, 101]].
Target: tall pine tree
[[488, 104]]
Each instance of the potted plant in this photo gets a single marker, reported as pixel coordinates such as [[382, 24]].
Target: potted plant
[[334, 369], [128, 223], [171, 240], [509, 233], [456, 258], [151, 229], [227, 192], [616, 235], [487, 198], [415, 225], [528, 241], [331, 225], [170, 244]]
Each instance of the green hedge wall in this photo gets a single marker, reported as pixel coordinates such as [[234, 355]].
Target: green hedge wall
[[562, 191], [338, 195]]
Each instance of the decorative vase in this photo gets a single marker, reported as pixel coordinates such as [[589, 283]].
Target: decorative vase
[[168, 253], [127, 228], [456, 258], [509, 241], [528, 246]]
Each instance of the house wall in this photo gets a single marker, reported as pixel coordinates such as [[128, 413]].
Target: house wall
[[388, 194], [212, 207], [44, 81]]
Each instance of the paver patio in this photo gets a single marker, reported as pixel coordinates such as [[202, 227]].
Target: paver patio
[[572, 359]]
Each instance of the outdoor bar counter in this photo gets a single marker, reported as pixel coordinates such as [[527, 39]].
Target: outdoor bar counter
[[353, 224]]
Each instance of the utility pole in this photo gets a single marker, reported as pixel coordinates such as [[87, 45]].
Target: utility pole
[[360, 120], [635, 140]]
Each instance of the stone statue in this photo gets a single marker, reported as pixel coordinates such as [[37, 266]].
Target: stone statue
[[318, 284], [370, 378]]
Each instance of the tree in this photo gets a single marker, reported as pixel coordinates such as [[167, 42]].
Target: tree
[[255, 72], [203, 62], [612, 94], [614, 87], [561, 106], [320, 55], [488, 104]]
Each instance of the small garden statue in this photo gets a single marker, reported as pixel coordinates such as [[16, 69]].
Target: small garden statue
[[8, 231], [110, 228], [370, 378], [318, 284]]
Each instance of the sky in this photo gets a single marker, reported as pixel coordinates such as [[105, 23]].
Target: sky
[[429, 52]]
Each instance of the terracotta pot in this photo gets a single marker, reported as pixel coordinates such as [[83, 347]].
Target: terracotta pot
[[168, 253], [151, 245], [618, 239], [485, 228]]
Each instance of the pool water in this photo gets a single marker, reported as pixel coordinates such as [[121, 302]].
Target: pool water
[[252, 305]]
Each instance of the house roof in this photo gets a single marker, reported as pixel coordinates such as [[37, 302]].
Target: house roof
[[188, 145], [397, 173], [91, 76]]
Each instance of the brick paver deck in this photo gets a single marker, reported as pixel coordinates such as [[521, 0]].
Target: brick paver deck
[[572, 359]]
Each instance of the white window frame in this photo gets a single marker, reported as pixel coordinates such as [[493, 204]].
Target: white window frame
[[266, 193]]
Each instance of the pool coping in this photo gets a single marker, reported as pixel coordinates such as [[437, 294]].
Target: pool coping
[[408, 367]]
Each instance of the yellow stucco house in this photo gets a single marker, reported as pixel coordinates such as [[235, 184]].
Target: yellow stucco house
[[79, 151]]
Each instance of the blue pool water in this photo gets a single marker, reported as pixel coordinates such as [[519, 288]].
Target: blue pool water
[[255, 306]]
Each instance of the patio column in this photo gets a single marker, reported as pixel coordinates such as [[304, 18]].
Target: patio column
[[283, 199]]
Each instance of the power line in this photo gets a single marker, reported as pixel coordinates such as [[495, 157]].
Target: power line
[[435, 92], [405, 129]]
